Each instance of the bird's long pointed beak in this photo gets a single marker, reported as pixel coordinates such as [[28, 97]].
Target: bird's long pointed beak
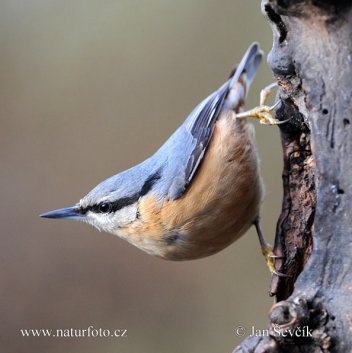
[[68, 212]]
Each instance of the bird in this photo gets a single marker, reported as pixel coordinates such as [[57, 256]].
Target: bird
[[200, 191]]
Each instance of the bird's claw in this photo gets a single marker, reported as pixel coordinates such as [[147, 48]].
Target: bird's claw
[[270, 257]]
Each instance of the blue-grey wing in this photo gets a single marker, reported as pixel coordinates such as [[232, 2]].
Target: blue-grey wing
[[179, 158], [200, 126], [202, 120]]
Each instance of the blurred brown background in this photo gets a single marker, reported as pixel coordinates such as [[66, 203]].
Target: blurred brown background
[[89, 88]]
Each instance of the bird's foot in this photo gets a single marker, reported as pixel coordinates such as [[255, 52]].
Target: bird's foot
[[267, 251], [264, 113], [270, 257]]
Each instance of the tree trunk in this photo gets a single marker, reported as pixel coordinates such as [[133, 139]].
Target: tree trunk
[[312, 61]]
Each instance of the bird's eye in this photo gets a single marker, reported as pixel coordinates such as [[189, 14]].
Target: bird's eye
[[104, 207]]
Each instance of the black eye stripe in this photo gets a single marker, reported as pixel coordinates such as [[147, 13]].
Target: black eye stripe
[[123, 202], [109, 207]]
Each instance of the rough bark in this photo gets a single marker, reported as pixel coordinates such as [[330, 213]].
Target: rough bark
[[312, 61]]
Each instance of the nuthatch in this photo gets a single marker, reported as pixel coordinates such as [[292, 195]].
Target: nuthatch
[[200, 191]]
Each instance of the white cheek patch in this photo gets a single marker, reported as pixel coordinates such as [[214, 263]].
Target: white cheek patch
[[125, 216]]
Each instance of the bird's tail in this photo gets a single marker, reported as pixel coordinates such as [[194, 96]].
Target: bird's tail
[[248, 66]]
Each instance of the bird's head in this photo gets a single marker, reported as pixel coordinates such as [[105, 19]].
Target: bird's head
[[112, 204]]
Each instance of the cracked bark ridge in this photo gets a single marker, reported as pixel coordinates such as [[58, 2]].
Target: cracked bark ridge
[[312, 60]]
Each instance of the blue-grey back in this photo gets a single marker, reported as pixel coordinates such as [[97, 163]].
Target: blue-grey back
[[171, 169]]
